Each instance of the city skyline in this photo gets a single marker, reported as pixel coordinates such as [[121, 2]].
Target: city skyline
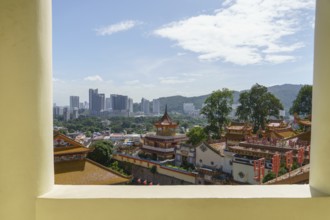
[[161, 49]]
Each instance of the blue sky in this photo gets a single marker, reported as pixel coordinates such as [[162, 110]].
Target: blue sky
[[154, 49]]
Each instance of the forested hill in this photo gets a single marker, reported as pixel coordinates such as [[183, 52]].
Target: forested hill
[[286, 93]]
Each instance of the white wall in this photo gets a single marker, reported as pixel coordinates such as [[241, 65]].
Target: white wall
[[207, 157], [248, 173]]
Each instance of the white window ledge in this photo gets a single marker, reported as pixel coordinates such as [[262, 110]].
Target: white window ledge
[[180, 192]]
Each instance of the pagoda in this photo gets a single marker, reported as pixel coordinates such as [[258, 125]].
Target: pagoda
[[162, 145]]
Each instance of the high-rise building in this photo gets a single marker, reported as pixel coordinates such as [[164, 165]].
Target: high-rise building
[[92, 96], [130, 105], [107, 104], [74, 102], [145, 106], [119, 102], [156, 106], [102, 102], [96, 102], [75, 113], [56, 111], [66, 113]]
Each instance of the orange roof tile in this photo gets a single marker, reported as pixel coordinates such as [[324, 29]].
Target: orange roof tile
[[70, 150]]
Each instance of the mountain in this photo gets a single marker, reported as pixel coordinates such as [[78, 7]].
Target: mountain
[[285, 93], [175, 103]]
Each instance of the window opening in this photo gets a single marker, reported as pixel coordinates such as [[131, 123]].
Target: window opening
[[153, 111]]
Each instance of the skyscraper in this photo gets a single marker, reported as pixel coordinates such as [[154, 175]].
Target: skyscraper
[[119, 102], [74, 102], [145, 106], [96, 102], [107, 104], [156, 106], [102, 102], [66, 113], [130, 105], [92, 96]]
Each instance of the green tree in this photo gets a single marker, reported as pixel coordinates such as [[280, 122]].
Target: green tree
[[196, 135], [153, 169], [102, 152], [217, 108], [256, 105], [269, 176], [88, 134], [302, 105]]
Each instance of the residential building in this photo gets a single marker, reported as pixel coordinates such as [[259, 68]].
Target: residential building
[[75, 113], [102, 102], [119, 102], [74, 102], [156, 106], [96, 102], [56, 111], [130, 105], [145, 106], [66, 113], [107, 104]]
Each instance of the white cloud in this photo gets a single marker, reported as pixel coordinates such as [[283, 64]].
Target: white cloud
[[114, 28], [180, 54], [94, 78], [174, 80], [243, 32], [279, 58], [192, 74]]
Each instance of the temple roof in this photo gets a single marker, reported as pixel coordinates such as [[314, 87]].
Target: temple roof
[[166, 120], [70, 150], [64, 145], [86, 172], [239, 126], [71, 143]]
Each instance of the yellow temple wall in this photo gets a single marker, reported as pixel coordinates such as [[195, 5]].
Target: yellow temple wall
[[26, 161], [161, 170]]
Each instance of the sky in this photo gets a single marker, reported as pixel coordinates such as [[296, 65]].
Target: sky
[[155, 49]]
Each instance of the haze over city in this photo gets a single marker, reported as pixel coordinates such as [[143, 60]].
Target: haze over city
[[154, 49]]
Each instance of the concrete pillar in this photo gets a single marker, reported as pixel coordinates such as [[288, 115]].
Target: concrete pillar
[[26, 164], [320, 148]]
